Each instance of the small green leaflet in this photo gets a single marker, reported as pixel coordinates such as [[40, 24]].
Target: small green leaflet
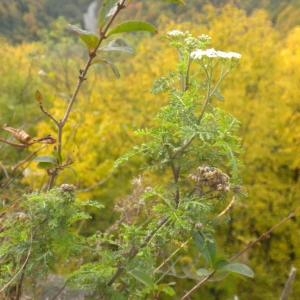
[[45, 162], [203, 272], [117, 45], [141, 276], [90, 39], [238, 268], [207, 248], [132, 26]]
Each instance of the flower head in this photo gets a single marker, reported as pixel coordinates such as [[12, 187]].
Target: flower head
[[204, 38], [175, 33], [212, 53]]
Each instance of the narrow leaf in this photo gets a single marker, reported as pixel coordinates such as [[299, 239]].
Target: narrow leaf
[[142, 277], [110, 64], [207, 248], [117, 49], [238, 268], [38, 96], [203, 272], [118, 45], [90, 39], [45, 162], [133, 26]]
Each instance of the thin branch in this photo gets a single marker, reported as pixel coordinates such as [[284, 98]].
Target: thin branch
[[60, 291], [132, 253], [289, 284], [81, 79], [96, 185], [227, 208], [187, 76], [47, 113], [20, 270], [4, 170], [196, 287], [27, 159], [206, 101], [264, 236], [222, 213], [14, 144], [18, 165], [172, 255]]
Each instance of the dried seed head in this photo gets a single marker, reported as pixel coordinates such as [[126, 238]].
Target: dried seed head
[[211, 177], [68, 188], [199, 226]]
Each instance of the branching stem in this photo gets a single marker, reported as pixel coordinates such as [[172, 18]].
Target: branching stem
[[134, 250], [82, 77]]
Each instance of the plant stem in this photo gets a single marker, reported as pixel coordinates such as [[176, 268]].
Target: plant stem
[[209, 94], [289, 284], [132, 253], [82, 77], [20, 271]]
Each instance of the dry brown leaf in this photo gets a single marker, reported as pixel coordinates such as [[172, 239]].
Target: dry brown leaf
[[19, 134]]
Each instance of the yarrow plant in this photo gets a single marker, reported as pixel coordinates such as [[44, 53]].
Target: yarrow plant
[[165, 231], [193, 153]]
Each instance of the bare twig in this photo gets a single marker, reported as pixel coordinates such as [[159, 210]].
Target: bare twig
[[60, 291], [172, 255], [22, 146], [196, 287], [4, 170], [50, 116], [18, 165], [227, 208], [289, 284], [262, 237]]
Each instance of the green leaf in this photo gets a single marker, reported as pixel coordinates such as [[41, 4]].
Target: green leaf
[[117, 45], [46, 162], [89, 38], [166, 289], [142, 277], [219, 95], [238, 268], [207, 248], [107, 9], [110, 64], [79, 217], [203, 272], [91, 203], [132, 26]]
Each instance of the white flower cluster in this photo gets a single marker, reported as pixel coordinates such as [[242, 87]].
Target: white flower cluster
[[175, 33], [204, 38], [191, 42], [212, 53]]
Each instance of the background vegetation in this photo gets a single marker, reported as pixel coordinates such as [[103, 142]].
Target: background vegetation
[[38, 53]]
